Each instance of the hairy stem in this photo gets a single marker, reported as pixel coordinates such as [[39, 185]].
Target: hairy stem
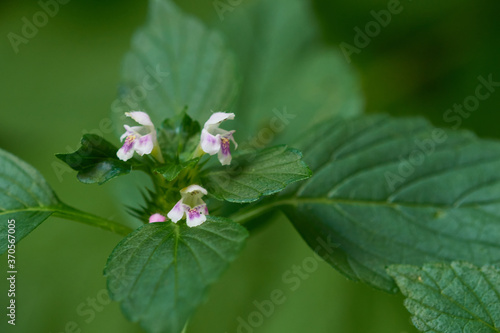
[[70, 213]]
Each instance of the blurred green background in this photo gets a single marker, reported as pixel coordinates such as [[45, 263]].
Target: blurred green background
[[64, 79]]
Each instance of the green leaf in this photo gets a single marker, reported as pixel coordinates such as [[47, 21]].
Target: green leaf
[[172, 170], [160, 273], [254, 175], [397, 191], [175, 62], [95, 160], [25, 197], [291, 80], [179, 137], [450, 298]]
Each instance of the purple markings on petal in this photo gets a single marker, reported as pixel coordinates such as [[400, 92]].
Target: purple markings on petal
[[210, 144], [193, 214], [126, 151], [225, 147], [191, 205], [215, 140], [194, 218], [202, 209], [211, 139], [177, 212], [139, 139], [129, 143], [145, 139], [144, 145]]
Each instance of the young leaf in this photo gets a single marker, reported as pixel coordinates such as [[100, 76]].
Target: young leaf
[[179, 137], [450, 298], [397, 191], [95, 160], [291, 80], [254, 175], [172, 170], [176, 62], [25, 197], [161, 272]]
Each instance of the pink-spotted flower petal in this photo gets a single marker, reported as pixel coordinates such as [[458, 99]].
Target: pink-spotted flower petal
[[215, 140], [144, 145], [139, 139], [177, 212], [224, 154], [210, 143], [194, 218], [191, 206], [127, 150]]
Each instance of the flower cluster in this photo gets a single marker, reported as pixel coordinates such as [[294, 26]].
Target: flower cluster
[[214, 140]]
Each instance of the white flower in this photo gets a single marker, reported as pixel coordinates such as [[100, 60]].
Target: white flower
[[191, 205], [216, 140], [141, 139], [157, 218]]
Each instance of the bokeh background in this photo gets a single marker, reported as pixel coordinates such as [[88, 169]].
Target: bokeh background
[[64, 80]]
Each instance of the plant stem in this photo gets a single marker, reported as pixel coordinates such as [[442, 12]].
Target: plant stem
[[70, 213]]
